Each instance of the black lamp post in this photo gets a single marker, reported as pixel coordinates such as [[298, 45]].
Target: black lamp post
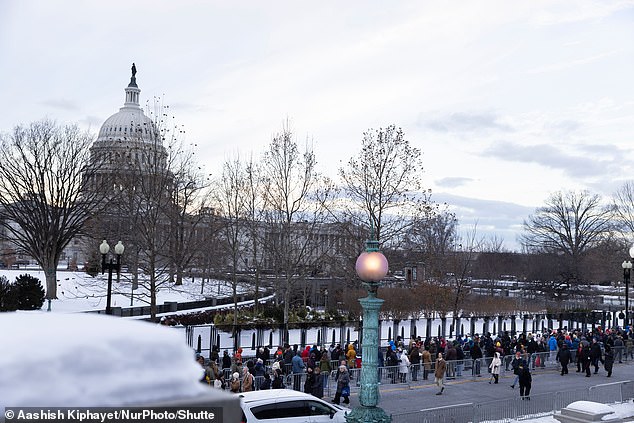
[[104, 248]]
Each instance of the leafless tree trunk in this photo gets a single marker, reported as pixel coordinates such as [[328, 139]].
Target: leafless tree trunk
[[254, 215], [47, 191], [231, 207]]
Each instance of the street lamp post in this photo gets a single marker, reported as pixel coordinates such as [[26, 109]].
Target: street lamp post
[[104, 248], [371, 267]]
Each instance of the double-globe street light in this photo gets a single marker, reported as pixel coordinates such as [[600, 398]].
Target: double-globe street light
[[371, 267], [104, 248], [627, 267]]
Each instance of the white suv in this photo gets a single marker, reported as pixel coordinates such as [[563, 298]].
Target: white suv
[[288, 406]]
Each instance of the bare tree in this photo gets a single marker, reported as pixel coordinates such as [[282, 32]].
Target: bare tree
[[47, 191], [296, 199], [188, 211], [434, 239], [230, 199], [569, 225], [254, 216], [383, 185], [624, 208], [464, 254]]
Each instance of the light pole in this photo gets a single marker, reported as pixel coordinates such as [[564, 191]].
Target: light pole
[[110, 266], [371, 267]]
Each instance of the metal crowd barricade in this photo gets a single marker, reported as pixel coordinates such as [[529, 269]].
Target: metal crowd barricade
[[448, 414], [539, 405]]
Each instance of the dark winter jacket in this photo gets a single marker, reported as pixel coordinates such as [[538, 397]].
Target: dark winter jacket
[[608, 362], [563, 355]]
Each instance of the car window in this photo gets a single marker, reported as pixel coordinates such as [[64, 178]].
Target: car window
[[287, 409], [320, 409], [264, 412]]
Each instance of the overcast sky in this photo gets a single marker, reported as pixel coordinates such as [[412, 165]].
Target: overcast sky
[[509, 101]]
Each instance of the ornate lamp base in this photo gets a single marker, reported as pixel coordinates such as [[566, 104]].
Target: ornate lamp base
[[368, 415]]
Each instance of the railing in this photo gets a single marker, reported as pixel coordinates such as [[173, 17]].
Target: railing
[[515, 408]]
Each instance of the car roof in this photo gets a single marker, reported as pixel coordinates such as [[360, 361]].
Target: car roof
[[275, 394]]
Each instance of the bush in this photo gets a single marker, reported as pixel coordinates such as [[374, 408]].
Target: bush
[[8, 301], [26, 293], [29, 292]]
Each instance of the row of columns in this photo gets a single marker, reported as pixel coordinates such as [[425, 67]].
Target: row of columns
[[342, 333]]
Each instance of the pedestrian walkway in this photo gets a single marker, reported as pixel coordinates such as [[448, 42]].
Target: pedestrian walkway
[[405, 402]]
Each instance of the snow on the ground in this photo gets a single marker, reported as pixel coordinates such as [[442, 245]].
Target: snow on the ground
[[624, 411], [88, 360], [78, 291]]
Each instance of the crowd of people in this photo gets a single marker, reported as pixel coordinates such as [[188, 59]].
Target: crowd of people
[[314, 367]]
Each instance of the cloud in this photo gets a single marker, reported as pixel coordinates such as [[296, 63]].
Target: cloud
[[489, 217], [452, 182], [61, 104], [466, 122], [575, 165]]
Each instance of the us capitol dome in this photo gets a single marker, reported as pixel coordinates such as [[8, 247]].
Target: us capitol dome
[[129, 139]]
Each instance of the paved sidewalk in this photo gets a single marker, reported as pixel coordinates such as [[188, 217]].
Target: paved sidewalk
[[396, 399]]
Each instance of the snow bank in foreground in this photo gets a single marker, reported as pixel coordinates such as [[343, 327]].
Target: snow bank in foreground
[[624, 411], [51, 359]]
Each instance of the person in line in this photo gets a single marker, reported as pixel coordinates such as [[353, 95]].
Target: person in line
[[234, 385], [324, 368], [297, 370], [439, 374], [414, 356], [426, 363], [608, 361], [343, 386], [278, 379], [318, 384], [495, 366], [247, 380], [403, 367]]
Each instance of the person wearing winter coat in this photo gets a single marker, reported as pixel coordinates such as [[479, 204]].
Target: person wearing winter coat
[[266, 382], [259, 371], [476, 355], [234, 385], [297, 369], [343, 381], [226, 360], [318, 384], [495, 366], [426, 363], [525, 380], [439, 374], [403, 367], [595, 355], [351, 356], [414, 356], [278, 379], [310, 379], [517, 362], [564, 356], [247, 380], [608, 361]]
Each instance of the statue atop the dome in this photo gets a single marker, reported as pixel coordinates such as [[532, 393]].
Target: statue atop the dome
[[133, 79]]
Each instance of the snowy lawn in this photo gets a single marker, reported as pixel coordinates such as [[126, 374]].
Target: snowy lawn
[[78, 291]]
